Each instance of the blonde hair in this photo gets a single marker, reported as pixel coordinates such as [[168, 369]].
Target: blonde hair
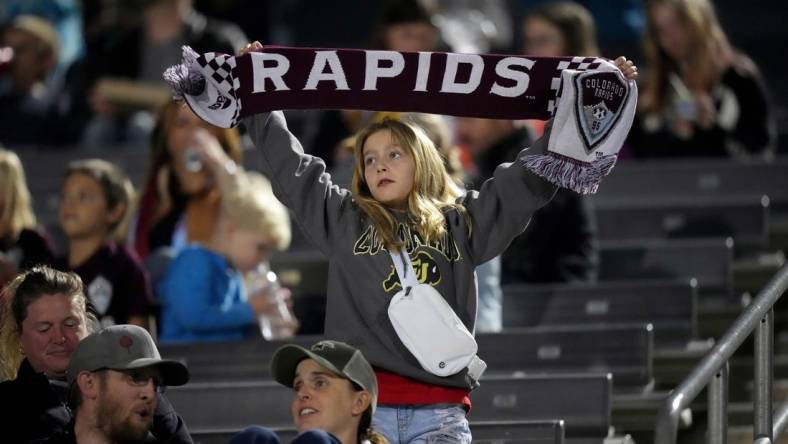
[[710, 50], [25, 289], [366, 433], [437, 130], [116, 186], [16, 211], [248, 202], [433, 189]]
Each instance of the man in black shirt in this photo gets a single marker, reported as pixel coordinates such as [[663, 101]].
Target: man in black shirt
[[113, 378]]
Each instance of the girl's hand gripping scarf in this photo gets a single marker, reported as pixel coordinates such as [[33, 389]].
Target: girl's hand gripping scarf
[[592, 104]]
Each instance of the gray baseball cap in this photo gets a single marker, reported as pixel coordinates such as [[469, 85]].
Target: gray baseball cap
[[339, 358], [123, 347]]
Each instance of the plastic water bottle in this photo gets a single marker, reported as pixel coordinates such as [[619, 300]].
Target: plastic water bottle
[[192, 160], [279, 322]]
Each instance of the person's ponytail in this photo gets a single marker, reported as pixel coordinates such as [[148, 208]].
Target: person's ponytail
[[373, 438], [365, 432]]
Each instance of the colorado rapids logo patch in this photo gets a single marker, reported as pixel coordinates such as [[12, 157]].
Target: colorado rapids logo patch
[[600, 98]]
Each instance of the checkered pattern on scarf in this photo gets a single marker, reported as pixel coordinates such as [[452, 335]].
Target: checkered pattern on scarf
[[578, 64], [220, 66]]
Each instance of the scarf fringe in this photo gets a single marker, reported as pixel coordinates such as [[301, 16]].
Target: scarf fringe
[[579, 177], [185, 78]]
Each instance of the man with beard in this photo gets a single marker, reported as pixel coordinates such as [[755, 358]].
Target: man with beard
[[114, 375]]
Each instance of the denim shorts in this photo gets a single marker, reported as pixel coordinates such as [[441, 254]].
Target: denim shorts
[[417, 424]]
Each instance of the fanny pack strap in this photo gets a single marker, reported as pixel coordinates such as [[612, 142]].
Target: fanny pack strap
[[404, 267], [408, 279]]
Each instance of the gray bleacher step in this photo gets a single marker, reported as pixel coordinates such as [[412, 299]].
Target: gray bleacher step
[[638, 412], [750, 274], [234, 405], [715, 319], [744, 218], [672, 365], [486, 432], [622, 349], [670, 305]]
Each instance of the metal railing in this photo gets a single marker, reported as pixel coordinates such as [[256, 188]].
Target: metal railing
[[712, 371]]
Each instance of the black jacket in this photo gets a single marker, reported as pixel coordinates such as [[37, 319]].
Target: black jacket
[[744, 121], [559, 244], [34, 408]]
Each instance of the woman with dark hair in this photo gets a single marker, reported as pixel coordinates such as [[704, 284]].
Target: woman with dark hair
[[43, 317], [559, 244], [560, 28], [701, 97], [180, 202]]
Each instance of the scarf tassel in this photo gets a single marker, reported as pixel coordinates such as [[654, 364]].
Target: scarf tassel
[[580, 177], [186, 78]]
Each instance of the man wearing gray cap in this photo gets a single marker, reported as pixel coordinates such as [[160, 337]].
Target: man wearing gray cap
[[335, 395], [114, 375]]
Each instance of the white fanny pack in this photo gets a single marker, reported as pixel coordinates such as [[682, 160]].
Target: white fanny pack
[[429, 327]]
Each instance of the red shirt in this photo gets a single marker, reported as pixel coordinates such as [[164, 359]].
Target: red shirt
[[398, 390]]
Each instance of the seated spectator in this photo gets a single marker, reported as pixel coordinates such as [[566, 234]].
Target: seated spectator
[[562, 28], [114, 376], [22, 244], [94, 206], [64, 15], [701, 96], [202, 293], [180, 202], [335, 395], [28, 105], [140, 53], [42, 318], [558, 245]]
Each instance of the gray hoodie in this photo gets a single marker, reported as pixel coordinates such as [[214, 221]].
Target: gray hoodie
[[361, 278]]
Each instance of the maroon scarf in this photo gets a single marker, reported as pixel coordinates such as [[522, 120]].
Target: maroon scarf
[[223, 89]]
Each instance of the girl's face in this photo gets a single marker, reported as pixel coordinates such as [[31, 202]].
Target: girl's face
[[542, 39], [83, 207], [246, 249], [388, 169], [179, 138], [324, 400], [52, 329], [671, 33]]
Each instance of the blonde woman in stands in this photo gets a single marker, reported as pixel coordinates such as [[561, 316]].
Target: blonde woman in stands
[[22, 244], [94, 207], [202, 293], [180, 201], [43, 316], [701, 96]]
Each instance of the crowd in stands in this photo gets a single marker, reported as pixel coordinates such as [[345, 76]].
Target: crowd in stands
[[174, 260]]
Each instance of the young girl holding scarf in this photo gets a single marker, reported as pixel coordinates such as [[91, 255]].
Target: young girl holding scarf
[[401, 198]]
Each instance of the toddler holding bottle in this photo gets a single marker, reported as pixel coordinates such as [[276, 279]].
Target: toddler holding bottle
[[203, 293]]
